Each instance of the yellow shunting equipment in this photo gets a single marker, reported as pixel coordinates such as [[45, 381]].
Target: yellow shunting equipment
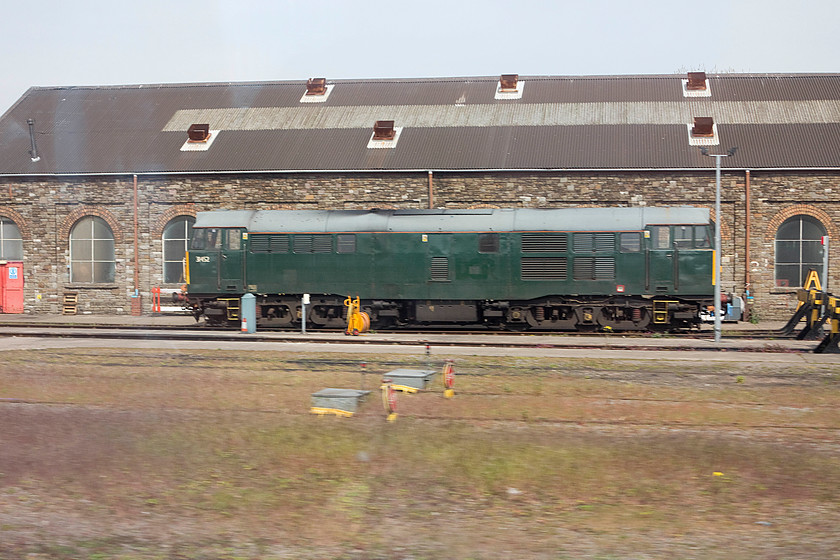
[[357, 320], [337, 411]]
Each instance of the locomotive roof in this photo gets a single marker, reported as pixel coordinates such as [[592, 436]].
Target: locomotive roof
[[490, 219]]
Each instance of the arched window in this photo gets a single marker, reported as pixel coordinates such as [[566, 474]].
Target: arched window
[[176, 241], [92, 252], [11, 244], [798, 250]]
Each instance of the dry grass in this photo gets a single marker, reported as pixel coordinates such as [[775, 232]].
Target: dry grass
[[213, 455]]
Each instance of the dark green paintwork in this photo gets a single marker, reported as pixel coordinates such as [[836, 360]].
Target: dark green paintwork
[[387, 265]]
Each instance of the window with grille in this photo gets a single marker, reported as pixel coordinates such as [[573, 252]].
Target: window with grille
[[176, 241], [92, 252], [11, 243], [799, 250]]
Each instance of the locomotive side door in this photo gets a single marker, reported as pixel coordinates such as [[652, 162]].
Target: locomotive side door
[[660, 261], [231, 264]]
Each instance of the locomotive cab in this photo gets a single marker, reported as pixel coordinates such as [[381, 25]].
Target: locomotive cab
[[217, 260]]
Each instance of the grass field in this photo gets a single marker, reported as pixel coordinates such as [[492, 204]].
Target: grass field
[[136, 455]]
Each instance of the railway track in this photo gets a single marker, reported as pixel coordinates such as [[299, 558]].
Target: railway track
[[403, 330], [769, 334], [472, 340]]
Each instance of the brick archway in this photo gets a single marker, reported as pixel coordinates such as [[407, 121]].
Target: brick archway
[[170, 214], [725, 230], [83, 211], [796, 210], [16, 217]]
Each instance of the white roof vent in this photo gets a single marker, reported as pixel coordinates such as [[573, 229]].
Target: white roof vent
[[385, 135], [696, 85], [703, 132], [509, 86], [199, 138], [317, 90]]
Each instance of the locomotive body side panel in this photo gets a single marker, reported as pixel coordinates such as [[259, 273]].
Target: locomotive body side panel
[[550, 269]]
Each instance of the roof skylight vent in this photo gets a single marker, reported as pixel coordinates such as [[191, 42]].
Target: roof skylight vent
[[703, 132], [198, 133], [697, 85], [696, 80], [507, 82], [509, 87], [199, 138], [384, 130], [703, 126], [317, 90], [316, 86], [385, 135]]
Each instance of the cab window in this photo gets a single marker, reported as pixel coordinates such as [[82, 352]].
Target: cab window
[[660, 237], [701, 237], [631, 242], [206, 239], [682, 237], [234, 240]]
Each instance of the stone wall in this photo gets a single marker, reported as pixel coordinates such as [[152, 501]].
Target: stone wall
[[46, 209]]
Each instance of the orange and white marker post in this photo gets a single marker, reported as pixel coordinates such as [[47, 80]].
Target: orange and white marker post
[[448, 379]]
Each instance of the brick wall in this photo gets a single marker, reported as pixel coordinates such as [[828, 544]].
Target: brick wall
[[46, 210]]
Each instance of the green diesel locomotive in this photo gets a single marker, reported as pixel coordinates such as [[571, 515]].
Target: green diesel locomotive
[[546, 269]]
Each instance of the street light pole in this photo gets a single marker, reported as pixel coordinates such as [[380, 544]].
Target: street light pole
[[718, 313]]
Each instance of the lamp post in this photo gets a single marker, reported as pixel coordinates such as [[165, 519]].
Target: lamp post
[[730, 153]]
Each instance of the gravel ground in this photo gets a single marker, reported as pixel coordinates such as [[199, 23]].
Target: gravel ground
[[148, 452]]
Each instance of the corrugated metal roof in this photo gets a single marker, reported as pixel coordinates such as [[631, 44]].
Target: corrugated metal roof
[[448, 124]]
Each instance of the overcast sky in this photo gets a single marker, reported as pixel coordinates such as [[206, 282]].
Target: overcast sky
[[92, 42]]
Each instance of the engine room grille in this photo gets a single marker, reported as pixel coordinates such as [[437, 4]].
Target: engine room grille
[[598, 242], [312, 244], [303, 244], [594, 268], [440, 268], [544, 268], [269, 243], [346, 243], [322, 244], [544, 243]]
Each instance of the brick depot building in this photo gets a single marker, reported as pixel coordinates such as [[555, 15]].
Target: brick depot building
[[99, 186]]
